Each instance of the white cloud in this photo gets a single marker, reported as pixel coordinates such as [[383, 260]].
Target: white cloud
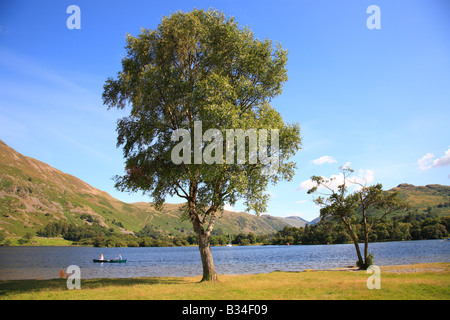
[[306, 185], [428, 161], [296, 214], [300, 201], [324, 159], [228, 207], [443, 161], [365, 177], [336, 180]]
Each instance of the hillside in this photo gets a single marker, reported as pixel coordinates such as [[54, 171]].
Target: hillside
[[32, 194], [433, 200]]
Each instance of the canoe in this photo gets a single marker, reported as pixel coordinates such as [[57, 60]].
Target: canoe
[[110, 261]]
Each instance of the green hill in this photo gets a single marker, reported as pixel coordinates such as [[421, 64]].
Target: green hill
[[32, 194], [433, 198]]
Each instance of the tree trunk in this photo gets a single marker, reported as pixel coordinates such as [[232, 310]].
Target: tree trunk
[[366, 243], [366, 239], [355, 242], [209, 271], [358, 251]]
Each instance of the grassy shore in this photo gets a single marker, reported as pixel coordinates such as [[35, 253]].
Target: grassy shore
[[417, 281], [40, 241]]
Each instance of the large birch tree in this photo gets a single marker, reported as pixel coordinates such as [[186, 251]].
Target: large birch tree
[[201, 71]]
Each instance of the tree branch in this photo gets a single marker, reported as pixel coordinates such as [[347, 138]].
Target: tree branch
[[186, 196]]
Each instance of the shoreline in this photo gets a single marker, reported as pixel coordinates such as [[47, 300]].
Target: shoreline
[[56, 242], [420, 281], [401, 268]]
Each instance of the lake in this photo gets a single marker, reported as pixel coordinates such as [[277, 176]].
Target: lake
[[46, 262]]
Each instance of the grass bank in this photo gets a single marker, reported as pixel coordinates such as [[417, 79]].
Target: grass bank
[[38, 241], [417, 281]]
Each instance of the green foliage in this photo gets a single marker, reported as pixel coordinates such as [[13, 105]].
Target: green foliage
[[26, 238], [198, 66], [367, 263], [149, 231], [409, 227]]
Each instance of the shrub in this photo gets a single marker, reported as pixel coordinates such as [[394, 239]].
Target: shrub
[[369, 262]]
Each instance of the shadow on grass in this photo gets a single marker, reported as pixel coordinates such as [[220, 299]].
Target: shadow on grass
[[26, 286]]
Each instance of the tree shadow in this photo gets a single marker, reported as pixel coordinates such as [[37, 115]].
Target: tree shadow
[[26, 286]]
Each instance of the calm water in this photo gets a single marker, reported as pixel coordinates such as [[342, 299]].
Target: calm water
[[46, 262]]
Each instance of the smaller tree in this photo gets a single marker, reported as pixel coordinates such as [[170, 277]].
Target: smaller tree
[[338, 203], [26, 238]]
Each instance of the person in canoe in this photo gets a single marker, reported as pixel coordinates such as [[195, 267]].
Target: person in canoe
[[118, 258], [101, 257]]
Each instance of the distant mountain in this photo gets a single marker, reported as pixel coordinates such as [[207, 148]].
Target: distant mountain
[[296, 221], [314, 221], [32, 194], [228, 221]]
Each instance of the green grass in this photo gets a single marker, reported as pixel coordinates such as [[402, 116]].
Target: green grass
[[38, 241], [420, 281]]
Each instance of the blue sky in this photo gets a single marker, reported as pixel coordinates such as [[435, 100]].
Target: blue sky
[[379, 99]]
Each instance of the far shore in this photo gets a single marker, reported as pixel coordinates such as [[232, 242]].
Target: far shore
[[60, 242]]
